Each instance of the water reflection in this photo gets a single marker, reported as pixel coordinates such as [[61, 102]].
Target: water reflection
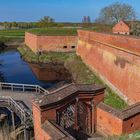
[[50, 72], [14, 70]]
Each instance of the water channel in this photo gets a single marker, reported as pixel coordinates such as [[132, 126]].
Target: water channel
[[14, 70]]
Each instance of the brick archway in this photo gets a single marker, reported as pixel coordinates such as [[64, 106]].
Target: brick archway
[[77, 116]]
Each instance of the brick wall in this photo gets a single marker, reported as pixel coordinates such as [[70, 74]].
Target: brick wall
[[116, 59], [115, 122], [107, 123], [121, 28], [31, 40], [50, 43], [39, 133]]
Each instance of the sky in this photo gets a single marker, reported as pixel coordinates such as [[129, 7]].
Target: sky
[[60, 10]]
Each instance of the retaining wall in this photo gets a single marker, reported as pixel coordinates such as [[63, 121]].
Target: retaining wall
[[116, 59], [50, 43]]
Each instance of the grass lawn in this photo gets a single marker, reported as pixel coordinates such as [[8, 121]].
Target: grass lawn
[[12, 33], [80, 72], [54, 31]]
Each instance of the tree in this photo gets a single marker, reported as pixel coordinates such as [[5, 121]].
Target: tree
[[116, 12], [86, 19], [46, 21]]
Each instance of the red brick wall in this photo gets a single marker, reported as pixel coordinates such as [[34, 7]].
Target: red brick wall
[[132, 124], [115, 59], [121, 28], [50, 43], [31, 40], [111, 121], [107, 124], [39, 118], [39, 133]]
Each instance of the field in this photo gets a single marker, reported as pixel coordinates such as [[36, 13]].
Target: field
[[12, 33], [54, 31]]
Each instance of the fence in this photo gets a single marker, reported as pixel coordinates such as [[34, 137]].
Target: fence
[[22, 88]]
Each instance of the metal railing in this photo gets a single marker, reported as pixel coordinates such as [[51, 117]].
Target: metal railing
[[23, 88], [23, 113]]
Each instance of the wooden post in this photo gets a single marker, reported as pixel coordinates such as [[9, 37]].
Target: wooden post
[[12, 87], [36, 89], [23, 88]]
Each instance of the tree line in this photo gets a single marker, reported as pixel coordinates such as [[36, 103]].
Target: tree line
[[108, 15]]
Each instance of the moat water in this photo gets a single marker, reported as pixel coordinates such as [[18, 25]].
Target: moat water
[[14, 70]]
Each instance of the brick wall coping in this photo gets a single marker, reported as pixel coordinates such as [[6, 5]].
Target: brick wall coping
[[122, 114], [60, 94], [55, 131], [110, 33]]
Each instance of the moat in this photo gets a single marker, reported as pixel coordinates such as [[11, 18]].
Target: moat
[[14, 70]]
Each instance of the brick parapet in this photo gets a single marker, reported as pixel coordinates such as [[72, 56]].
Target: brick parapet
[[111, 121]]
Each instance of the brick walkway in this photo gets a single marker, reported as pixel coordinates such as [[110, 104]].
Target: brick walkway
[[25, 97]]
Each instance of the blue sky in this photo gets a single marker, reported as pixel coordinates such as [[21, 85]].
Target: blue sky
[[60, 10]]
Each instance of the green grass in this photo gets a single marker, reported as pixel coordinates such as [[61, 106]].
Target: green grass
[[12, 33], [54, 31], [80, 72], [133, 136], [114, 100]]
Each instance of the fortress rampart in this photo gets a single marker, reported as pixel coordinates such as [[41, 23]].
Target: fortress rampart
[[41, 43], [115, 58]]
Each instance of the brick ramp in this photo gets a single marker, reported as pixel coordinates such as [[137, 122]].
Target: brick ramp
[[21, 96]]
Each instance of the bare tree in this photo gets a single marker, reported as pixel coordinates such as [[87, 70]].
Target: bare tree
[[46, 21], [116, 12]]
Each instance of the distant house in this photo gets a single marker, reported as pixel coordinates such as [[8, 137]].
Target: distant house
[[127, 28], [122, 28]]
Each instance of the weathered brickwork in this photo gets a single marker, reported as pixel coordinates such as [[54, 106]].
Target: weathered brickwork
[[115, 58], [121, 28], [50, 43], [108, 124], [115, 122]]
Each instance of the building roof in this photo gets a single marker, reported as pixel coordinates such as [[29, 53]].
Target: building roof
[[67, 91], [131, 23]]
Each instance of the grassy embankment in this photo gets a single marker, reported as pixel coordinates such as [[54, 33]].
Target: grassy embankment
[[6, 35], [79, 71]]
